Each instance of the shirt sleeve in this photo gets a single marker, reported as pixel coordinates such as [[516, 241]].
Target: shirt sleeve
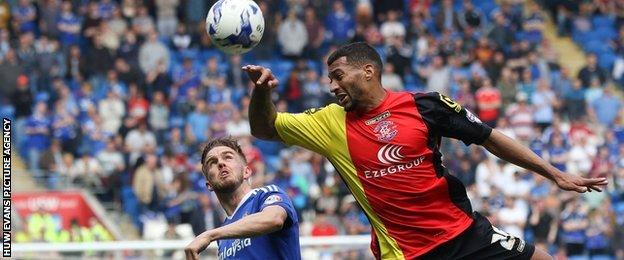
[[276, 197], [310, 129], [448, 118]]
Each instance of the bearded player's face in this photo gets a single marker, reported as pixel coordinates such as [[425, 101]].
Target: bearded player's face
[[346, 83], [224, 169]]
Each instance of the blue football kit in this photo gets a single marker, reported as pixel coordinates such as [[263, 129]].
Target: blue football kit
[[281, 244]]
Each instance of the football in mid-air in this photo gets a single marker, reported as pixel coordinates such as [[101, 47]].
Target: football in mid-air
[[235, 26]]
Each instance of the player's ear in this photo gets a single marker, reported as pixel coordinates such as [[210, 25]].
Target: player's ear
[[209, 186], [369, 71], [247, 173]]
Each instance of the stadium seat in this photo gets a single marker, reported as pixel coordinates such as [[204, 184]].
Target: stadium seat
[[603, 21], [606, 60]]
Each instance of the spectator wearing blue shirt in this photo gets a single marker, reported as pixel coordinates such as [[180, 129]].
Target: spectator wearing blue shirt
[[25, 15], [544, 101], [38, 136], [105, 9], [607, 107], [185, 77], [69, 25], [574, 223], [340, 25], [558, 153], [198, 122], [64, 127]]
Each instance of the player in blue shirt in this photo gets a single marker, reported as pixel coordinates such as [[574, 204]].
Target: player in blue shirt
[[261, 223]]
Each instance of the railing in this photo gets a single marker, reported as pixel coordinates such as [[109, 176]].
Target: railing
[[311, 247]]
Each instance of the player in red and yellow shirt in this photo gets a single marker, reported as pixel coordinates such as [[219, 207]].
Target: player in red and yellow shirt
[[385, 145]]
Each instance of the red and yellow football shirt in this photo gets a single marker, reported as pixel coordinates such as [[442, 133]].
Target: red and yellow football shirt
[[389, 159]]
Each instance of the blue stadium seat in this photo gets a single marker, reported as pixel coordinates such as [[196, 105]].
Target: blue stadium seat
[[603, 21], [595, 46], [605, 33], [606, 60]]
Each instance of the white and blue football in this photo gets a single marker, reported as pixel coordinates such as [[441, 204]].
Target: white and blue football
[[235, 26]]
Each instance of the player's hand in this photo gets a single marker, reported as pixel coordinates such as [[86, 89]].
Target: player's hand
[[579, 184], [262, 77], [198, 245]]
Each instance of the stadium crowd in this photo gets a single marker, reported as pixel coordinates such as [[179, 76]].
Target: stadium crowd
[[118, 97]]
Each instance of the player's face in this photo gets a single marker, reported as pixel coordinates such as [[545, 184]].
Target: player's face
[[346, 83], [224, 169]]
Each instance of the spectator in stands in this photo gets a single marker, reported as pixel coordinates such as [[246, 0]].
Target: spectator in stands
[[313, 91], [22, 100], [24, 17], [148, 185], [117, 22], [544, 102], [292, 36], [111, 110], [392, 27], [166, 16], [142, 23], [198, 123], [437, 75], [159, 116], [592, 70], [238, 126], [469, 16], [323, 227], [574, 225], [113, 166], [339, 24], [50, 162], [606, 108], [185, 77], [575, 100], [489, 103], [527, 84], [139, 141], [64, 126], [87, 172], [316, 33], [152, 53], [38, 136], [138, 105], [541, 222], [447, 18], [400, 54]]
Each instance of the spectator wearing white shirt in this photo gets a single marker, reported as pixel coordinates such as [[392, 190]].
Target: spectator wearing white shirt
[[238, 126], [392, 27], [292, 35], [390, 80], [139, 141]]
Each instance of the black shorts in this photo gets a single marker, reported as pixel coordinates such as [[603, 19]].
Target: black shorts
[[482, 241]]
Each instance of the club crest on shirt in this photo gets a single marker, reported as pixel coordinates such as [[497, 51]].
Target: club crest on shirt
[[272, 199], [385, 131]]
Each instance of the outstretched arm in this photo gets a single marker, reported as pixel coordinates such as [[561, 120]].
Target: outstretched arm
[[514, 152], [270, 219], [262, 112]]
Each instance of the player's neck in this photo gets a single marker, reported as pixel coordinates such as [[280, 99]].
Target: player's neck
[[229, 201], [372, 99]]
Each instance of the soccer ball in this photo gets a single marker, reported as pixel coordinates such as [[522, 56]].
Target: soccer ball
[[235, 26]]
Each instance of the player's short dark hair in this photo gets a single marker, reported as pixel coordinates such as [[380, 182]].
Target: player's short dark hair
[[357, 53], [223, 141]]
